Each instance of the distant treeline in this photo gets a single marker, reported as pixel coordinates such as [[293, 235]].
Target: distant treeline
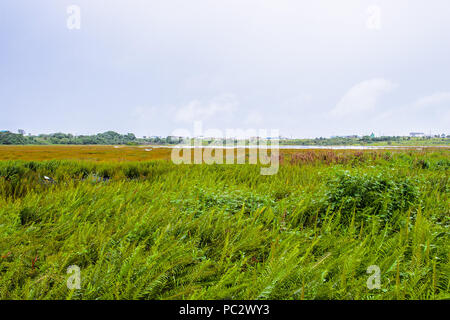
[[106, 138], [369, 140], [114, 138]]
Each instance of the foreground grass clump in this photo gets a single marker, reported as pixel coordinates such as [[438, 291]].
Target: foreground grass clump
[[379, 193], [155, 230]]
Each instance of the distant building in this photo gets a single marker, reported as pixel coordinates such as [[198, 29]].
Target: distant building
[[417, 134], [21, 131], [175, 138], [347, 137]]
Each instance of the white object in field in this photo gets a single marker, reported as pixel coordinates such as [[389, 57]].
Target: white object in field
[[48, 179], [149, 149]]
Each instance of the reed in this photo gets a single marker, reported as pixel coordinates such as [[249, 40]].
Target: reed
[[156, 230]]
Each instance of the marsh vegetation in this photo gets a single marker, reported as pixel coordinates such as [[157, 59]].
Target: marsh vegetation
[[155, 230]]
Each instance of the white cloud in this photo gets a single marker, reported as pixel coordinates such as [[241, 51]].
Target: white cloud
[[430, 114], [363, 97], [197, 110], [434, 99], [433, 110]]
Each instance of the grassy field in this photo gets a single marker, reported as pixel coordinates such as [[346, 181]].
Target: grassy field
[[140, 227], [90, 153]]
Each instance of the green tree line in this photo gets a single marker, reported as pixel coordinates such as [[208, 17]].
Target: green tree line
[[114, 138], [106, 138]]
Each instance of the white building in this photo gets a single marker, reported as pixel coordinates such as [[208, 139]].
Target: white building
[[417, 134]]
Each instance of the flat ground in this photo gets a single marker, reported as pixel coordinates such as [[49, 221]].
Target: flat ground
[[100, 153]]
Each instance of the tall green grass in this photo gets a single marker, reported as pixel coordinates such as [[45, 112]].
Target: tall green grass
[[155, 230]]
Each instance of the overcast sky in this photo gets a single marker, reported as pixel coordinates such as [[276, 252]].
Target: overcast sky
[[308, 68]]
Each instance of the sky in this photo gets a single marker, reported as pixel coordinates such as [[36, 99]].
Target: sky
[[306, 68]]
